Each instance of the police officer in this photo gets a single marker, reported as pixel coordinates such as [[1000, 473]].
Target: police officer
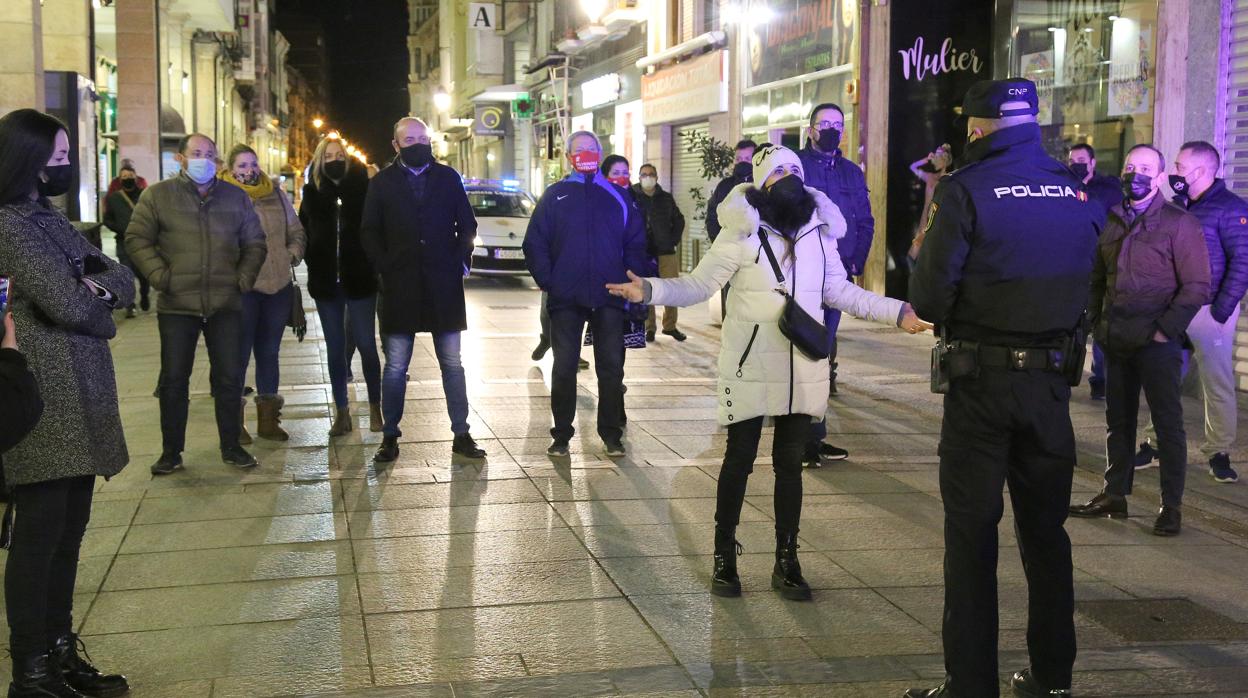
[[1004, 273]]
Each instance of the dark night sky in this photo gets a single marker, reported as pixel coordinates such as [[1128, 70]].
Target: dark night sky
[[366, 42]]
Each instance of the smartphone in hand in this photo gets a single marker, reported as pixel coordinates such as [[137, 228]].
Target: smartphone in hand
[[5, 286]]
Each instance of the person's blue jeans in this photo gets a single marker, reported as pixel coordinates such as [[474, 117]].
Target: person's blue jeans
[[264, 323], [179, 341], [398, 348], [831, 318], [341, 316]]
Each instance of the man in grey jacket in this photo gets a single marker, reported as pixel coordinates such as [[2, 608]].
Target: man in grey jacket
[[199, 242]]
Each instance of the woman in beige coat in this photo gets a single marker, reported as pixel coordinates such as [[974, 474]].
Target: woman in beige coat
[[266, 308]]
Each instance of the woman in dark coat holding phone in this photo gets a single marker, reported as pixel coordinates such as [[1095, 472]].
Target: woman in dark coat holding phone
[[64, 294]]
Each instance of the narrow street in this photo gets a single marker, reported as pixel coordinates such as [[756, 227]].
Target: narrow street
[[316, 573]]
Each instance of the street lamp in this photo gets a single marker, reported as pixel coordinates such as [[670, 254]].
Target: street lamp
[[317, 123], [442, 100]]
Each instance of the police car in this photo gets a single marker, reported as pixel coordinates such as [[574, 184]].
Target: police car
[[502, 211]]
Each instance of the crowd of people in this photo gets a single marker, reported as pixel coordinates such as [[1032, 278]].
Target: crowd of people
[[1158, 283]]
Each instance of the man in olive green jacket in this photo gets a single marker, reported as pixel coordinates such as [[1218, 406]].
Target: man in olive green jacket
[[199, 242]]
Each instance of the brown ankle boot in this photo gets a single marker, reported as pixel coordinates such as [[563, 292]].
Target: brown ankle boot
[[342, 422], [374, 416], [269, 421], [243, 437]]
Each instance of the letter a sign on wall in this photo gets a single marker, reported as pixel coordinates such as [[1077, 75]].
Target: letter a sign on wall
[[481, 16]]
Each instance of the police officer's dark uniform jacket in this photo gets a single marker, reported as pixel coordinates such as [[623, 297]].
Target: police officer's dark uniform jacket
[[1006, 264]]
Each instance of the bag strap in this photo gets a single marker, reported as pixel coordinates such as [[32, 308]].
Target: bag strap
[[771, 256]]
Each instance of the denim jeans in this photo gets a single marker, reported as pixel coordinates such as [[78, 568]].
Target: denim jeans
[[354, 317], [179, 339], [567, 330], [398, 348], [264, 323], [1158, 369]]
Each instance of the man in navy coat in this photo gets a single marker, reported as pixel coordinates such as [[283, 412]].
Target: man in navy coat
[[585, 233]]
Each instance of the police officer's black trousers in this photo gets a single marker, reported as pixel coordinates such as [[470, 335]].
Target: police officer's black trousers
[[1007, 426]]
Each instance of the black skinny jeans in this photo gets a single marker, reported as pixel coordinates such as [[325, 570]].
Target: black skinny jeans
[[789, 441], [43, 562]]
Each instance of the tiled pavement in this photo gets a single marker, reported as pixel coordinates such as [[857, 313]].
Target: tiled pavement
[[317, 574]]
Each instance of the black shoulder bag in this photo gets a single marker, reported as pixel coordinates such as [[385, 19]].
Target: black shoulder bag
[[808, 334]]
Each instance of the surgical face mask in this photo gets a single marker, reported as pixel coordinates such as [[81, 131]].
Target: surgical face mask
[[201, 170], [58, 179], [1179, 184], [1080, 169], [829, 139], [743, 170], [649, 183], [1137, 186], [336, 169], [416, 155]]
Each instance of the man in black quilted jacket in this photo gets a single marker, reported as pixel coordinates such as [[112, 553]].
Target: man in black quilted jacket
[[1224, 220]]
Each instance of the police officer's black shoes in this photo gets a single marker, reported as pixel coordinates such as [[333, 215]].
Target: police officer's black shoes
[[389, 450], [786, 577], [36, 677], [79, 673], [1103, 505], [724, 579], [941, 691], [1025, 685], [1169, 521]]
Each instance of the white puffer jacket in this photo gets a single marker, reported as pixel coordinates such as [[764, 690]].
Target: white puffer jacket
[[760, 372]]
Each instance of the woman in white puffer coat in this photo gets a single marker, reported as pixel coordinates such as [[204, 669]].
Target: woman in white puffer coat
[[761, 373]]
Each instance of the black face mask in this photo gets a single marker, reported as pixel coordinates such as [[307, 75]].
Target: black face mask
[[743, 170], [336, 169], [129, 184], [59, 177], [1080, 169], [416, 155], [787, 190], [1179, 184], [1137, 186], [829, 139]]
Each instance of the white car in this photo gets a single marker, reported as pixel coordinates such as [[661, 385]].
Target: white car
[[502, 211]]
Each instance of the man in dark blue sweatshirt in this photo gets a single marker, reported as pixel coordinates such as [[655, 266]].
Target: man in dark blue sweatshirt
[[585, 233], [843, 182]]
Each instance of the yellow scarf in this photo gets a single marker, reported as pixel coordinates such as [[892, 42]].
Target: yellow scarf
[[259, 190]]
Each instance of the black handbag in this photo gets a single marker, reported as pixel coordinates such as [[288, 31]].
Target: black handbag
[[298, 321], [808, 334]]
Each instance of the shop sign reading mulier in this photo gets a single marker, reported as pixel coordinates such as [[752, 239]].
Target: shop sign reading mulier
[[690, 89]]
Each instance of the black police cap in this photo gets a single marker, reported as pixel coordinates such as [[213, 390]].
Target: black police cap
[[986, 97]]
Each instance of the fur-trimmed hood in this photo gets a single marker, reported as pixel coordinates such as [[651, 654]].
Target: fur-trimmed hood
[[738, 217]]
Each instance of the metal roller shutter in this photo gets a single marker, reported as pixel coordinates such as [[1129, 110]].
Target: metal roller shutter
[[1235, 155], [687, 174]]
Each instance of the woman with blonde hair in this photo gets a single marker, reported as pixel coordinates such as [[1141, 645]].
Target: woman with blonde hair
[[340, 278], [266, 308]]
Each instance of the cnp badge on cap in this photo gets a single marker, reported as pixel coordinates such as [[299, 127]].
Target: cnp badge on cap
[[986, 98]]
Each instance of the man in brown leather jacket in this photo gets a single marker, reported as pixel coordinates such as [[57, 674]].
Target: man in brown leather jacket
[[1150, 278]]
